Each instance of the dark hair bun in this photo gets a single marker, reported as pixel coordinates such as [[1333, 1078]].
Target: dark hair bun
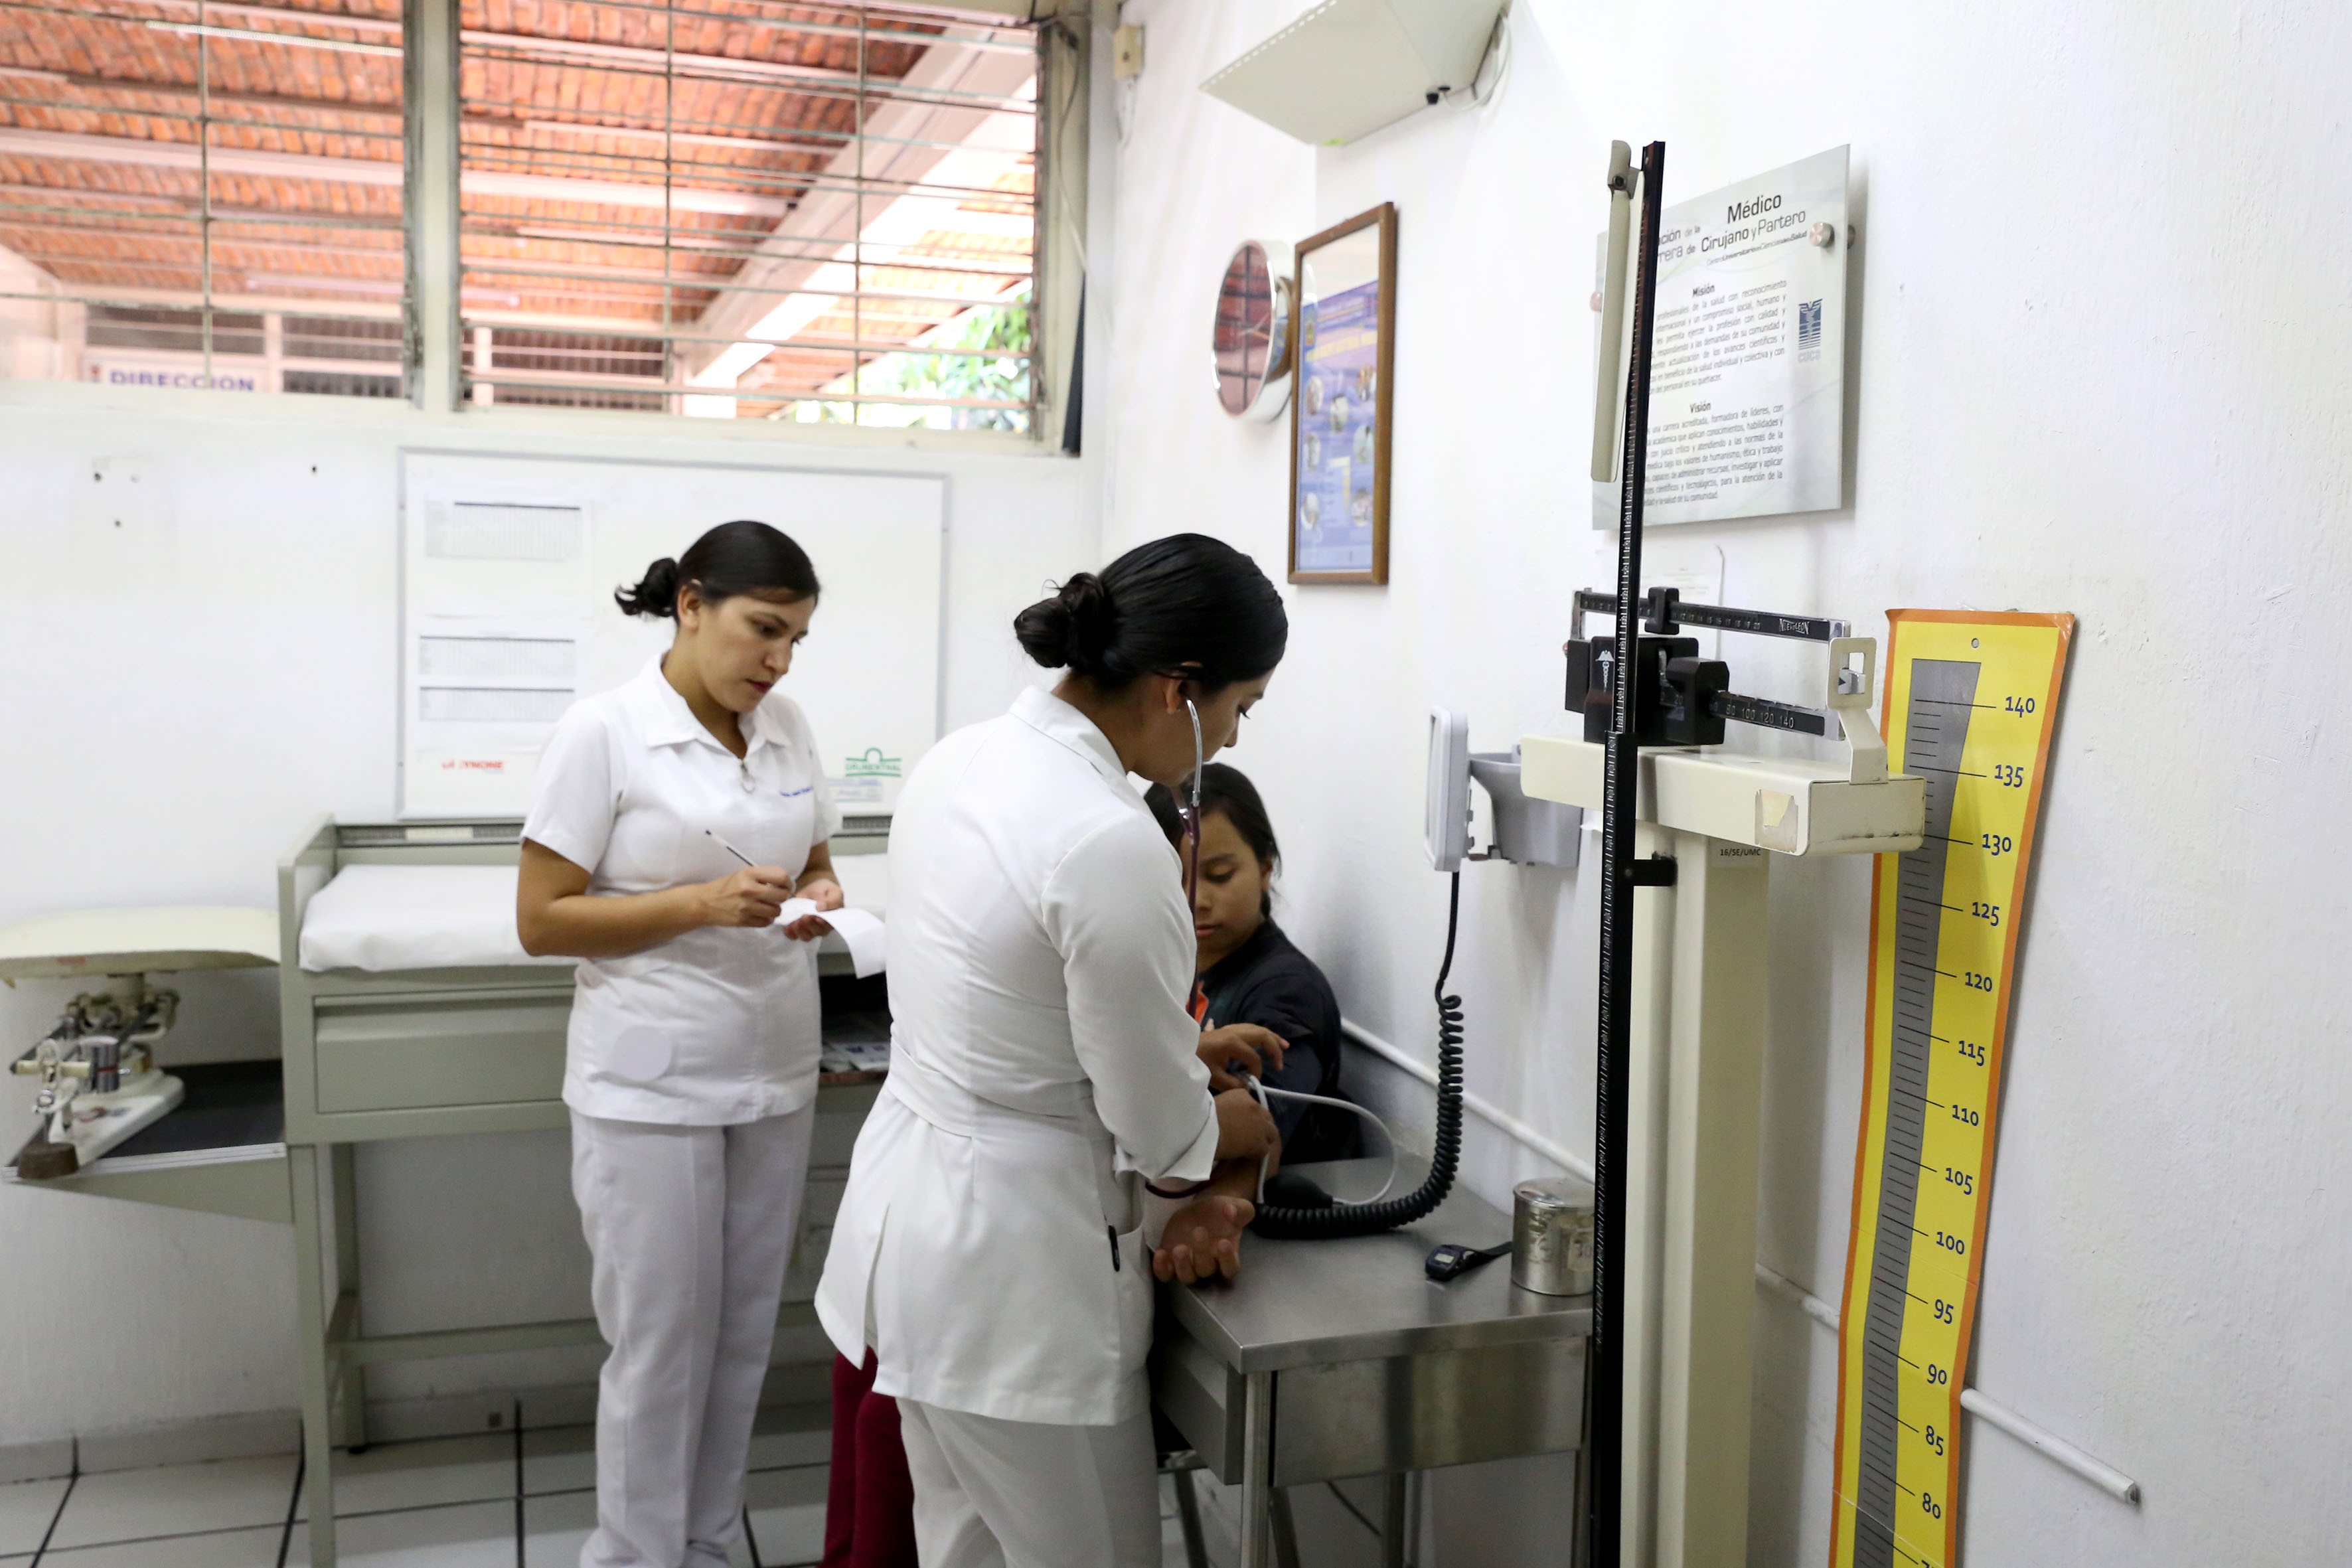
[[1070, 630], [655, 592], [1187, 604], [738, 557]]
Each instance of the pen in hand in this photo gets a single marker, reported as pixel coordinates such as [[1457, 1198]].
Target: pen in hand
[[714, 838], [745, 858], [729, 848]]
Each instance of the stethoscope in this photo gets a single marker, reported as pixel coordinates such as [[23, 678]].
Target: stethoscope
[[1190, 813]]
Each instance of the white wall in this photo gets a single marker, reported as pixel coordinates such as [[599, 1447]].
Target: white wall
[[2102, 337], [180, 696]]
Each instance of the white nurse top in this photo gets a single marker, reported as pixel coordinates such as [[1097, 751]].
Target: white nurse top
[[1041, 1068], [719, 1026]]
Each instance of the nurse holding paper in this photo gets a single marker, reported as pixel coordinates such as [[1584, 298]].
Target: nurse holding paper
[[672, 819]]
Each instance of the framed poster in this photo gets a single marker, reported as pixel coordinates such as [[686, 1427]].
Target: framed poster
[[1345, 294]]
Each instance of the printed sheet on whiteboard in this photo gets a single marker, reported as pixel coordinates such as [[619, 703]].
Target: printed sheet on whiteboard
[[1747, 379], [498, 598], [508, 567]]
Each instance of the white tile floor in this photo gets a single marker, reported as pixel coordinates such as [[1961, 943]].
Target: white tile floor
[[507, 1500], [491, 1500]]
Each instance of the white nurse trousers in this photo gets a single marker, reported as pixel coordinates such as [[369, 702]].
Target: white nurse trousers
[[1023, 1494], [691, 1228]]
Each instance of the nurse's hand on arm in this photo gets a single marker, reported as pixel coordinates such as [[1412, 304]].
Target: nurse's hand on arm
[[1244, 1130], [555, 915], [1127, 964], [820, 886]]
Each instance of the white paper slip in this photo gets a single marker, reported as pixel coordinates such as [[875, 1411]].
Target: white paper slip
[[865, 934]]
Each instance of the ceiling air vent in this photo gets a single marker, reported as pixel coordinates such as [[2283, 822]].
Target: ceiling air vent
[[1349, 67]]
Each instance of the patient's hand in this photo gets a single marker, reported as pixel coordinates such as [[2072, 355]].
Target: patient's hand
[[1258, 1050], [1202, 1240]]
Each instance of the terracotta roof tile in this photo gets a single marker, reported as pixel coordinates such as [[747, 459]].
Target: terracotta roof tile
[[115, 70]]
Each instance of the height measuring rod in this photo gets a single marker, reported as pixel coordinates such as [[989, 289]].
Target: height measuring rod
[[1688, 826], [1604, 1430], [1972, 709]]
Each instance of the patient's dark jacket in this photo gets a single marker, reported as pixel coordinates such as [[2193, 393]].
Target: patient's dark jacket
[[1266, 981]]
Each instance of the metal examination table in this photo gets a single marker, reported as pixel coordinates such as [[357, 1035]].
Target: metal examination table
[[1327, 1360]]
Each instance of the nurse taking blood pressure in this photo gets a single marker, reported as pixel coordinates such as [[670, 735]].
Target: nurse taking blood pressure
[[672, 817], [991, 1249]]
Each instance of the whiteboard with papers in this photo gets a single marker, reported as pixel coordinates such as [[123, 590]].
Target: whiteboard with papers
[[508, 568]]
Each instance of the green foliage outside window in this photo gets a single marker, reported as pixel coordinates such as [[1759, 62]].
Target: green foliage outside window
[[1003, 331]]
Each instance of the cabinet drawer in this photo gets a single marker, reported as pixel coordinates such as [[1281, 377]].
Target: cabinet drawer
[[420, 1053]]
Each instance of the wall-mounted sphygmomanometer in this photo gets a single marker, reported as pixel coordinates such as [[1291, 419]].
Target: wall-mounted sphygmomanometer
[[1526, 831], [1531, 832]]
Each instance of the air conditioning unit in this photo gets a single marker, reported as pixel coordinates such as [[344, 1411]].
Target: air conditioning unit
[[1349, 67]]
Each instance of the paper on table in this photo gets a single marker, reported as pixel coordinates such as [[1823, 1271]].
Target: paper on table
[[864, 932]]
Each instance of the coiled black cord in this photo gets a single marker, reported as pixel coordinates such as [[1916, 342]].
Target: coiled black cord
[[1368, 1219]]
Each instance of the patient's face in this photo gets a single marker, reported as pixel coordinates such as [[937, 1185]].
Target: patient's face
[[1226, 909]]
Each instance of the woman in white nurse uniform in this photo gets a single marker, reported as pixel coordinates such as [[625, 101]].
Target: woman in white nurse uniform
[[671, 819], [1042, 1070]]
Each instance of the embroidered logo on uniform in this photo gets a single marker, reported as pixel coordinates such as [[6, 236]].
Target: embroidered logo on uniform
[[796, 794]]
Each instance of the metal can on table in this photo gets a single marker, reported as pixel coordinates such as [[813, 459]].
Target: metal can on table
[[1551, 1237]]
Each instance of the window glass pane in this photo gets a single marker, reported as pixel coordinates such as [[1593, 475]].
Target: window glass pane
[[198, 193], [745, 209]]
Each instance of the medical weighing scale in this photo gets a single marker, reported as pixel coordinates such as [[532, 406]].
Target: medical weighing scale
[[1685, 831], [1690, 1076], [1970, 711], [98, 1084]]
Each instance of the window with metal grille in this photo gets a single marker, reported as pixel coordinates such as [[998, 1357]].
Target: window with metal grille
[[201, 193], [748, 209]]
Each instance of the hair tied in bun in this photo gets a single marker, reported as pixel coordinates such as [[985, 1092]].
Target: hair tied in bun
[[1069, 630], [655, 592], [1187, 602], [1093, 622], [740, 557]]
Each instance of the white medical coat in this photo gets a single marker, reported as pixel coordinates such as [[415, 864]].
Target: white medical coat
[[719, 1026], [1042, 1067]]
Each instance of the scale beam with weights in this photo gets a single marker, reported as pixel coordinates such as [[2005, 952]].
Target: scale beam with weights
[[98, 1082], [1687, 831]]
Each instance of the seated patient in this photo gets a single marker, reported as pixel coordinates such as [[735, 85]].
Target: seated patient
[[1250, 973]]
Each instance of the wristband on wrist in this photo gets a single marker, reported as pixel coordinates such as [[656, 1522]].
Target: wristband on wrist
[[1185, 1191]]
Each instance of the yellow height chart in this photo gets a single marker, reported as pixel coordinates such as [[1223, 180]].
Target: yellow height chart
[[1971, 701]]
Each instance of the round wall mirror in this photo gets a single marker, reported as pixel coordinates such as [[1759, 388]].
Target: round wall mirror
[[1252, 342]]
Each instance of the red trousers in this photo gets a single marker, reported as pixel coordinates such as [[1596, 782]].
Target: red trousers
[[870, 1504]]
